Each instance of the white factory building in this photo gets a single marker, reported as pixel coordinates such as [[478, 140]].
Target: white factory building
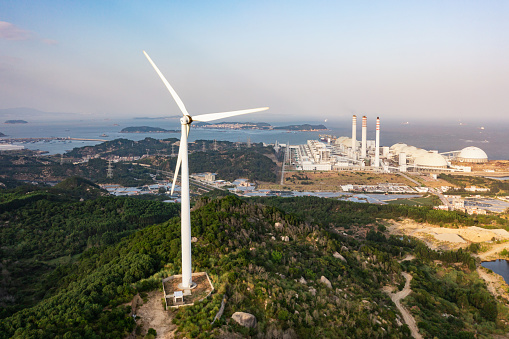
[[11, 147], [348, 153]]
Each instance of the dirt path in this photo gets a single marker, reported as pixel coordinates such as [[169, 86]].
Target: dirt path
[[396, 298], [493, 251], [154, 316], [407, 257]]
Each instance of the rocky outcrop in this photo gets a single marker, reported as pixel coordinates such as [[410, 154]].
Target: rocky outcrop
[[244, 319], [339, 256], [326, 281]]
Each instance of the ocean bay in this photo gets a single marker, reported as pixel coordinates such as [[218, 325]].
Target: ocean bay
[[441, 137]]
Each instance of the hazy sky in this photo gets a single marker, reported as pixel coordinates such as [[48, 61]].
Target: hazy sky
[[306, 60]]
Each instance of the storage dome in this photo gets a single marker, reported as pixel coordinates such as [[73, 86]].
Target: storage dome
[[431, 160], [472, 154]]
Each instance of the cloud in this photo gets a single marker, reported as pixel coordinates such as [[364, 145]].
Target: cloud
[[9, 31], [12, 32]]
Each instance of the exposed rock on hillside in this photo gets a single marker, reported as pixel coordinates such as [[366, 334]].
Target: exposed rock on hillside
[[244, 319]]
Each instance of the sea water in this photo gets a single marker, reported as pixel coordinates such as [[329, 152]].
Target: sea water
[[493, 139]]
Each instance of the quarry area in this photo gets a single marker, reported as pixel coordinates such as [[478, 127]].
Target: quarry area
[[448, 238], [492, 241]]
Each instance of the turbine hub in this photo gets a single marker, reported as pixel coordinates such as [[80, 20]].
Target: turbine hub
[[186, 120]]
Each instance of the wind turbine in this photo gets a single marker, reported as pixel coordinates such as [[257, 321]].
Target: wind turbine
[[182, 161]]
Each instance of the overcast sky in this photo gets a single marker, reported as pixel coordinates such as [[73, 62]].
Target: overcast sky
[[307, 60]]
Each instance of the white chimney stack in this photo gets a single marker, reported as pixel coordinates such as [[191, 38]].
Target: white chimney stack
[[363, 146], [377, 143], [354, 135]]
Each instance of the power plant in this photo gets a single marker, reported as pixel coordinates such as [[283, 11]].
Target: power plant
[[332, 153]]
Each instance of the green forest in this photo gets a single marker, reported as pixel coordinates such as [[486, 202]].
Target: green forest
[[72, 258], [41, 229]]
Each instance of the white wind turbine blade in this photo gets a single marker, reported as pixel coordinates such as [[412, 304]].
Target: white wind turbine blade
[[222, 115], [177, 168], [179, 162], [168, 86]]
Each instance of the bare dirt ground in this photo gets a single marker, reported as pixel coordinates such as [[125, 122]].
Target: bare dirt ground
[[500, 167], [202, 289], [332, 180], [154, 316], [447, 238], [494, 252], [453, 238]]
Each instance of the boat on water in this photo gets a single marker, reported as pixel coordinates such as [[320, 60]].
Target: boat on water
[[104, 135]]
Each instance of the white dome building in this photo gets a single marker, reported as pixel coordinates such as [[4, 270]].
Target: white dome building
[[396, 148], [472, 154], [430, 160]]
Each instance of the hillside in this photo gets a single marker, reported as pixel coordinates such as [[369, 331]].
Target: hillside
[[229, 161], [232, 164], [250, 262], [44, 229], [24, 167]]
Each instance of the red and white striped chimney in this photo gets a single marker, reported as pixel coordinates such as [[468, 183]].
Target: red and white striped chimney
[[354, 134], [377, 143], [363, 143]]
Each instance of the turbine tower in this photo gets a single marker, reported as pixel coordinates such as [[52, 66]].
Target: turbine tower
[[182, 161]]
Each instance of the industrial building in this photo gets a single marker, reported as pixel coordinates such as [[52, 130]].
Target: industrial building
[[345, 153], [10, 147]]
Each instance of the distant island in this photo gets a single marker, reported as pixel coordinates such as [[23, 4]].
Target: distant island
[[234, 125], [2, 135], [146, 129], [304, 127], [261, 125], [16, 122]]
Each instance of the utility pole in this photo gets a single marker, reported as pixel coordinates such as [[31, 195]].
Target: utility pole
[[110, 170]]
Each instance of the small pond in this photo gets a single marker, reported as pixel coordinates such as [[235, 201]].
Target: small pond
[[499, 266]]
